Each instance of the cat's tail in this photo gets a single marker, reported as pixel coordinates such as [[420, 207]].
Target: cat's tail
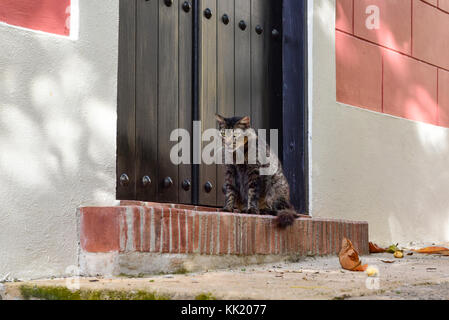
[[286, 218]]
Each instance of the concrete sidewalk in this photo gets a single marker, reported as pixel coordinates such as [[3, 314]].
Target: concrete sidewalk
[[414, 277]]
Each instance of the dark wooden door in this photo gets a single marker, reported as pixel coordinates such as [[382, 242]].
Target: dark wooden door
[[154, 98], [239, 73]]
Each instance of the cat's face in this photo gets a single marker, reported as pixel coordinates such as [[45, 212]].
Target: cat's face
[[233, 130]]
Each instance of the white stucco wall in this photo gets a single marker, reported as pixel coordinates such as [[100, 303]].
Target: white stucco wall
[[391, 172], [57, 138]]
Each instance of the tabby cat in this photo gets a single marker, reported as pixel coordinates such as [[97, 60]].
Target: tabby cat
[[245, 188]]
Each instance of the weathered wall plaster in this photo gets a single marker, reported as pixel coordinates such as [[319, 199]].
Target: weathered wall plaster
[[57, 138]]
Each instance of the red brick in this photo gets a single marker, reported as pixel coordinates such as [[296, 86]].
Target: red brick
[[203, 233], [259, 241], [267, 235], [443, 5], [295, 238], [309, 235], [354, 236], [100, 229], [215, 233], [232, 234], [322, 238], [165, 224], [287, 239], [338, 237], [430, 34], [191, 231], [196, 236], [174, 230], [240, 224], [281, 241], [302, 234], [146, 229], [157, 214], [123, 231], [137, 232], [348, 231], [244, 235], [410, 88], [326, 235], [281, 236], [252, 235], [273, 237], [395, 28], [208, 235], [443, 98], [182, 231], [344, 19], [334, 237], [359, 72], [224, 233]]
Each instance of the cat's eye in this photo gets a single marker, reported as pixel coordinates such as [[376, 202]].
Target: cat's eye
[[223, 132]]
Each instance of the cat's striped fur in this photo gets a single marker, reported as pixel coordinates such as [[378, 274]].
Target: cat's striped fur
[[250, 192]]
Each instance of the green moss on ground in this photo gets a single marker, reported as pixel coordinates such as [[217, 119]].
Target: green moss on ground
[[62, 293], [205, 296]]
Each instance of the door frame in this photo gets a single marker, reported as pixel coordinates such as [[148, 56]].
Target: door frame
[[295, 101], [293, 92]]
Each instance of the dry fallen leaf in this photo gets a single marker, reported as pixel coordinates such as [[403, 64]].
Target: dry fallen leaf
[[361, 268], [374, 248], [387, 261], [349, 258], [433, 250]]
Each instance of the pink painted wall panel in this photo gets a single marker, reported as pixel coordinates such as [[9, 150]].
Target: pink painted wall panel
[[430, 34], [443, 98], [395, 23], [410, 88], [344, 20], [443, 5], [432, 2], [50, 16], [359, 72], [413, 45]]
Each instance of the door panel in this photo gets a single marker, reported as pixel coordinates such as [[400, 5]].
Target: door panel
[[260, 47], [126, 101], [243, 58], [147, 99], [168, 112], [185, 95], [225, 74], [208, 94]]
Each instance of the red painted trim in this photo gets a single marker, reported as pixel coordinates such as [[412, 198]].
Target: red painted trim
[[52, 16]]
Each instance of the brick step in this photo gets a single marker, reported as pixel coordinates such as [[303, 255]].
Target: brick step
[[138, 237]]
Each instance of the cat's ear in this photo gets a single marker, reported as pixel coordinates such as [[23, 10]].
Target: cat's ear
[[219, 118], [245, 121]]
